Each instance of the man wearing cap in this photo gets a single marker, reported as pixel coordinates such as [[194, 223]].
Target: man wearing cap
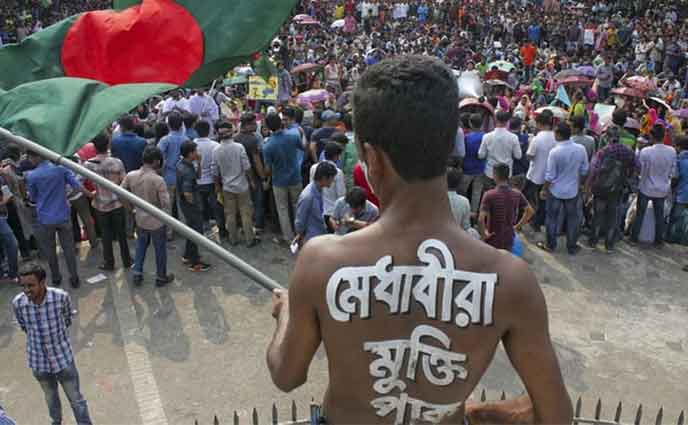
[[248, 138], [329, 120]]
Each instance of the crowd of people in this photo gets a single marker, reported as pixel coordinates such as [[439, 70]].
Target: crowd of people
[[577, 125]]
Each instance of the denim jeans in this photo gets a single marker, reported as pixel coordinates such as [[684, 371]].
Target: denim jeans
[[557, 210], [159, 239], [605, 220], [9, 245], [69, 379], [114, 227], [258, 199], [209, 204], [658, 207], [476, 191], [285, 199], [194, 219]]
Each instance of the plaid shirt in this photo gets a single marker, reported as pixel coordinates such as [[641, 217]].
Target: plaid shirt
[[46, 326], [616, 151]]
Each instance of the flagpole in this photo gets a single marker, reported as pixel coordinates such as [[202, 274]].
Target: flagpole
[[179, 227]]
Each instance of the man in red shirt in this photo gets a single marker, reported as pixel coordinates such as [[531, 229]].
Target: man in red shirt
[[528, 53], [500, 209]]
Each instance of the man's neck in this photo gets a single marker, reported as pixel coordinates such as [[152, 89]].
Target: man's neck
[[401, 207]]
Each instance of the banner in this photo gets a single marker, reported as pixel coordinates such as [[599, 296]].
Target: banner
[[259, 89]]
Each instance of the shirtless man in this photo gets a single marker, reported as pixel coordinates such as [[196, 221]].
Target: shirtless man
[[403, 345]]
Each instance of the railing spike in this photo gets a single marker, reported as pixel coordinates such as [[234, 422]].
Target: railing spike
[[503, 396], [638, 415], [236, 418], [216, 421], [579, 407], [483, 395], [681, 419], [255, 416], [274, 414], [294, 414], [660, 416], [598, 409], [196, 422], [617, 415]]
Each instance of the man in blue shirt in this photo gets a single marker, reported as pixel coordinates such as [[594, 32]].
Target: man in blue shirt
[[309, 220], [128, 146], [46, 185], [170, 146], [534, 33], [473, 167], [281, 160], [566, 165]]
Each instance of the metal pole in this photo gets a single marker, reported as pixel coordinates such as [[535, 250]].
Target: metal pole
[[176, 225]]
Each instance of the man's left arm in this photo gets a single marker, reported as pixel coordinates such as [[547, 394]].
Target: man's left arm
[[297, 335], [71, 180]]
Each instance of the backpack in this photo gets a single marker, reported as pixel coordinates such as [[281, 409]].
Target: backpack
[[611, 177]]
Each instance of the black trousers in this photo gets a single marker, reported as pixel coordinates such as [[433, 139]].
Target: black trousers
[[15, 225], [114, 227], [194, 219]]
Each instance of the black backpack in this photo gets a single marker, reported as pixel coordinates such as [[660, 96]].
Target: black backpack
[[611, 178]]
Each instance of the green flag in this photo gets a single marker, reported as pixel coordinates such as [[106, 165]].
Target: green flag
[[64, 113]]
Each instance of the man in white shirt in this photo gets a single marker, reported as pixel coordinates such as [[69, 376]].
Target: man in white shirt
[[205, 108], [499, 146], [337, 189], [538, 152], [176, 101], [206, 188]]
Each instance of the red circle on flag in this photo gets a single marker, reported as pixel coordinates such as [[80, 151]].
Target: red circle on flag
[[157, 41]]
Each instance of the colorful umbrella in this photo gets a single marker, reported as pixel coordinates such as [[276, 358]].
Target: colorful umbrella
[[641, 83], [577, 80], [309, 21], [566, 73], [301, 17], [313, 96], [558, 112], [681, 113], [502, 65], [587, 70], [306, 67], [339, 23], [661, 103], [628, 91]]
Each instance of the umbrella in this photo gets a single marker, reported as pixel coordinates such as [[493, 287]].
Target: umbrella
[[558, 112], [628, 91], [301, 17], [567, 73], [312, 96], [498, 83], [576, 80], [469, 84], [306, 67], [339, 23], [681, 113], [502, 66], [309, 21], [641, 83], [587, 70], [661, 102], [632, 124]]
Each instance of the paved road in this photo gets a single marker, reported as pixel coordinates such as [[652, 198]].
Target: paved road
[[197, 347]]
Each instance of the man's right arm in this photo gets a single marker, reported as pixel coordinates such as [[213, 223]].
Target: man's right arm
[[529, 346], [19, 317]]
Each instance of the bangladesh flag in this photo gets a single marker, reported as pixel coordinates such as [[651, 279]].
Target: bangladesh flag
[[63, 85]]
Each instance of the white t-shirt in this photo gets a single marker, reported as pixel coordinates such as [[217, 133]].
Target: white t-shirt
[[539, 150], [499, 146]]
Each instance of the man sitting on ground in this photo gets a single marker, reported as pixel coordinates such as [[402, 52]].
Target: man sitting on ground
[[353, 212], [384, 298]]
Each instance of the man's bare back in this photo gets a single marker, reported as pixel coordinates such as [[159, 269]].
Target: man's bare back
[[410, 311]]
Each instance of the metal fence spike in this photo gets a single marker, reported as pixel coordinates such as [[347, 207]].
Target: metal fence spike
[[638, 415], [255, 416], [274, 414], [236, 418], [196, 422], [216, 421], [598, 409], [483, 395], [503, 396], [294, 414], [681, 418], [660, 416], [579, 407], [617, 415]]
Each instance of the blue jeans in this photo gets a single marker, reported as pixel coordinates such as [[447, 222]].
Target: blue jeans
[[258, 199], [658, 207], [9, 247], [557, 210], [69, 379], [159, 239]]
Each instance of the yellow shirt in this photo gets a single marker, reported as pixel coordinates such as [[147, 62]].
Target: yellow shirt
[[339, 12]]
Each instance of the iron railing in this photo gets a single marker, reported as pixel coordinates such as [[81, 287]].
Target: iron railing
[[578, 419]]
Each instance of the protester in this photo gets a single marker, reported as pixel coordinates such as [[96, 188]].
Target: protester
[[45, 315], [110, 212], [460, 207], [499, 147], [46, 188], [309, 220], [473, 165], [353, 212], [538, 153], [499, 211], [206, 183], [190, 203], [7, 239], [566, 166], [127, 146], [149, 186], [253, 145], [170, 146], [337, 189], [233, 177]]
